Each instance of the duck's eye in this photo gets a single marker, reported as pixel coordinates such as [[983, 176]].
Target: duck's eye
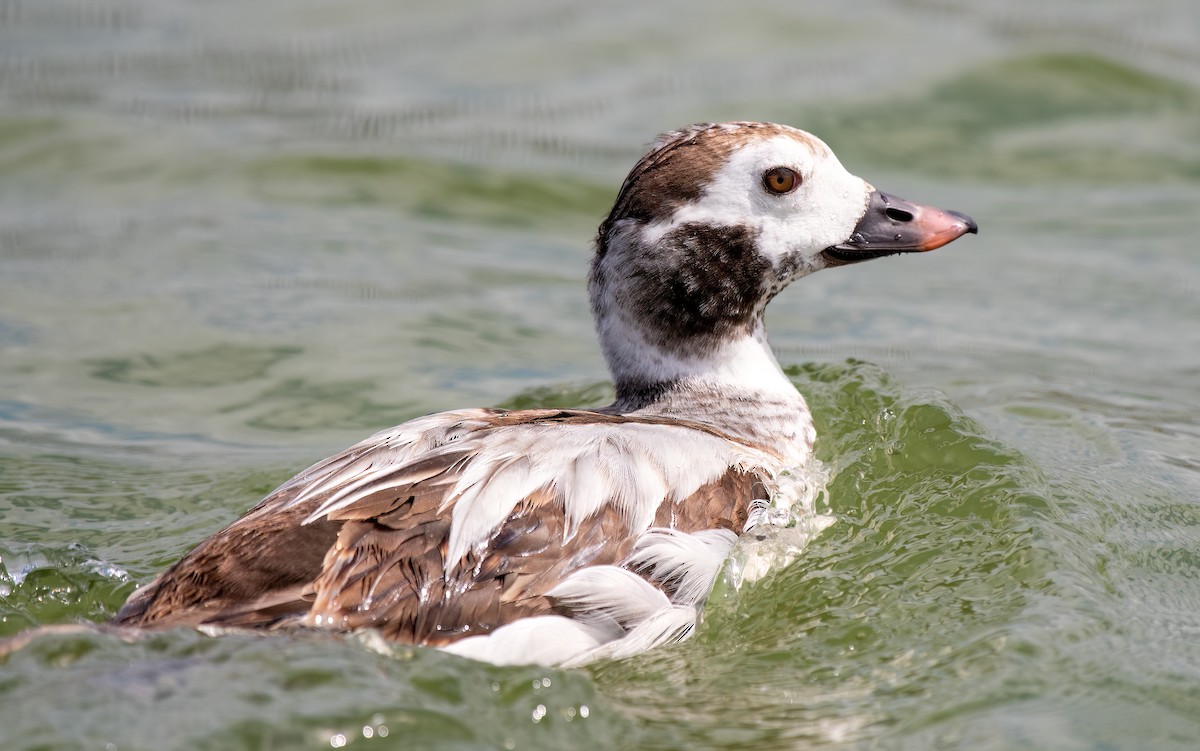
[[780, 180]]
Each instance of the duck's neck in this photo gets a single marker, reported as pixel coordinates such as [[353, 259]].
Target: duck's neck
[[736, 386]]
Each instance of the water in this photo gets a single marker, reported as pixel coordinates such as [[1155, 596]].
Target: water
[[235, 238]]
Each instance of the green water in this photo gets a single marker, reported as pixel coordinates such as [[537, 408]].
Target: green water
[[235, 238]]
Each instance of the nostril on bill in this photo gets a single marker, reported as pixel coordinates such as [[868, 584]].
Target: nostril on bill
[[898, 215]]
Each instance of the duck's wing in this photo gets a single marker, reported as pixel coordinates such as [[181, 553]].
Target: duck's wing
[[254, 572], [458, 524]]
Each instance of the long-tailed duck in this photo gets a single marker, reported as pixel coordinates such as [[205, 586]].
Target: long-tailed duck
[[559, 536]]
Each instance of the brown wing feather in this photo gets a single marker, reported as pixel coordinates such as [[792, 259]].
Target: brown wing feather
[[723, 503], [267, 560]]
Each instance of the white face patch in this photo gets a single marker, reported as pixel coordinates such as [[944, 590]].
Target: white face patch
[[793, 228]]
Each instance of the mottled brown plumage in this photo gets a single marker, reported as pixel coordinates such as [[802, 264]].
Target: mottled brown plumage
[[381, 562]]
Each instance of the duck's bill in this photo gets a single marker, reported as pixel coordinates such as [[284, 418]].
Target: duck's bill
[[893, 225]]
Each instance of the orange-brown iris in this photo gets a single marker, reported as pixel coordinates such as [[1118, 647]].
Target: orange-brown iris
[[780, 180]]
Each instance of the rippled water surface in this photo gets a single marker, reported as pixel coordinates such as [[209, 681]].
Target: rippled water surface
[[236, 237]]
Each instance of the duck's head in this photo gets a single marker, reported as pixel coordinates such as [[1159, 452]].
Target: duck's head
[[713, 222]]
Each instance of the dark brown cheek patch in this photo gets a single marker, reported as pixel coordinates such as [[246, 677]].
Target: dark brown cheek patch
[[699, 285]]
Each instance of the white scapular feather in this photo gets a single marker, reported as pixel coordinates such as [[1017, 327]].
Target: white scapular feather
[[378, 456], [634, 466], [583, 482]]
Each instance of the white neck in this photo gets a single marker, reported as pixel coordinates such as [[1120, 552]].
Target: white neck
[[740, 366], [737, 387]]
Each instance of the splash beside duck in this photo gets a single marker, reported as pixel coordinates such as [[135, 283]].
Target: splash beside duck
[[560, 536]]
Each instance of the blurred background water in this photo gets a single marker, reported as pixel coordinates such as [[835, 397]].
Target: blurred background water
[[236, 237]]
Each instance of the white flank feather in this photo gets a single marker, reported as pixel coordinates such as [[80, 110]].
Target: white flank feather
[[611, 592], [669, 625], [687, 562], [540, 640]]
